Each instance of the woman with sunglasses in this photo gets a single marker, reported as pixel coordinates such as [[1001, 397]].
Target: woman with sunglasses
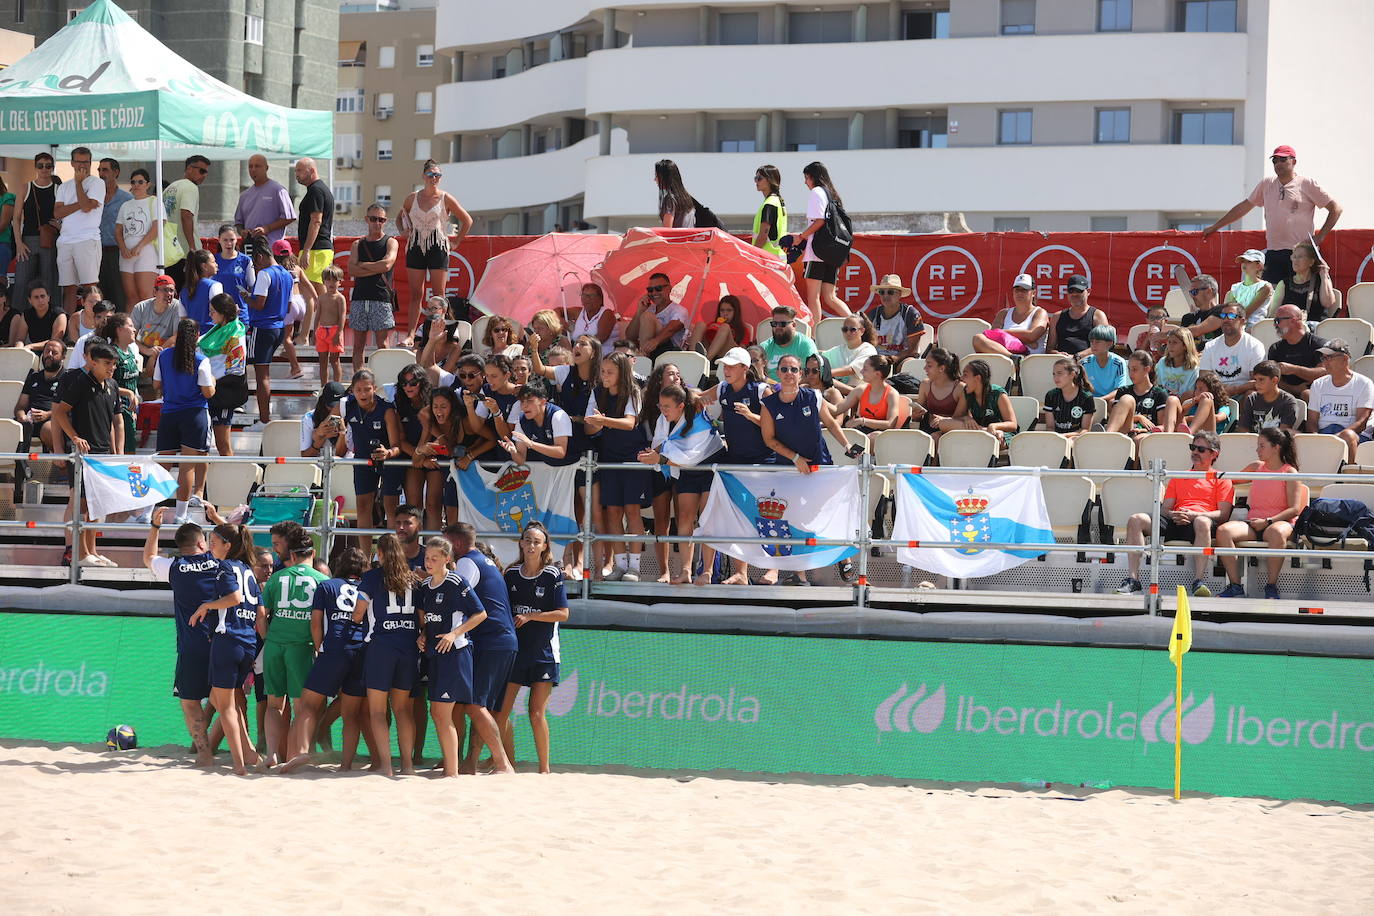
[[412, 400], [137, 228], [501, 338], [424, 217], [725, 332], [770, 222], [816, 376], [875, 404], [35, 231], [597, 319], [848, 358]]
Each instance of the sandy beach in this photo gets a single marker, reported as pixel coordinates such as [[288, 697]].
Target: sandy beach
[[144, 832]]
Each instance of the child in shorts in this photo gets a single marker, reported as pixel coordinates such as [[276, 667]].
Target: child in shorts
[[330, 312]]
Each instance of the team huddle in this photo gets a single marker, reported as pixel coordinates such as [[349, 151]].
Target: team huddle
[[437, 624]]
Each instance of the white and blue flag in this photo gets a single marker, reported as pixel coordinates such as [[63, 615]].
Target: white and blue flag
[[972, 510], [824, 504], [123, 485], [512, 496], [685, 444]]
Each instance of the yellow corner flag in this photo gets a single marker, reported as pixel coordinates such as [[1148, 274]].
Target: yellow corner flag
[[1180, 641]]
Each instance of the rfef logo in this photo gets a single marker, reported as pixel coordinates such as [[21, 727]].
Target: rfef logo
[[1152, 274], [854, 281], [1051, 267], [459, 279], [947, 281]]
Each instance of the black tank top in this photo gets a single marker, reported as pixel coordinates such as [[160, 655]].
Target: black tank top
[[40, 328], [1071, 334], [1306, 297], [38, 207], [376, 288]]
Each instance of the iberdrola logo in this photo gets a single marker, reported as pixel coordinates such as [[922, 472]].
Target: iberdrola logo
[[908, 713], [1158, 724], [561, 700]]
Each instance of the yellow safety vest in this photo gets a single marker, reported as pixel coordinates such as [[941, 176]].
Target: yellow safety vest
[[770, 245]]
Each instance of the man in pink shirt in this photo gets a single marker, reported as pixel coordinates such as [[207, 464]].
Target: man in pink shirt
[[1290, 201]]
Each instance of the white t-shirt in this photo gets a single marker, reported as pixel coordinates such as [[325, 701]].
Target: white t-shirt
[[816, 204], [81, 225], [1233, 364], [1338, 404], [512, 416], [182, 194], [137, 217], [842, 357], [308, 430], [470, 572], [205, 372], [673, 312], [586, 324]]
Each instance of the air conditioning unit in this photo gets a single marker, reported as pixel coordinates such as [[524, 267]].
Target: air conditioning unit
[[384, 201], [341, 207], [342, 162], [383, 113]]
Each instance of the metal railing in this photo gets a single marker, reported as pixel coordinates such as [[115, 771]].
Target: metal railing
[[327, 464]]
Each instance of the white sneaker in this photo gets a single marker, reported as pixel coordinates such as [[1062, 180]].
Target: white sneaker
[[180, 520], [106, 561], [257, 427], [616, 575], [630, 575], [91, 559], [143, 518]]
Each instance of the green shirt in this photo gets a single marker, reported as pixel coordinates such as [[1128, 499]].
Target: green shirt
[[801, 347], [289, 596]]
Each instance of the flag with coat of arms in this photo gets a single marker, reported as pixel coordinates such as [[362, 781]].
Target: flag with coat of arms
[[971, 509], [824, 504], [122, 485], [508, 498]]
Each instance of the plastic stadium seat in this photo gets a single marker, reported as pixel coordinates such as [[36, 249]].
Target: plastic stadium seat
[[1123, 497], [1036, 374], [1265, 332], [300, 474], [10, 431], [282, 437], [914, 366], [9, 396], [829, 333], [967, 448], [1176, 302], [387, 364], [15, 363], [1002, 369], [462, 333], [1172, 447], [1027, 411], [956, 334], [1354, 331], [1100, 410], [1102, 451], [1364, 366], [1066, 498], [1319, 454], [692, 365], [1360, 300], [643, 367], [1237, 450], [227, 483], [1364, 460], [901, 446], [764, 330], [1039, 449], [837, 455]]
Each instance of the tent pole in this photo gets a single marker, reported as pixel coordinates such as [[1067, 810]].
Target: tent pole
[[157, 188]]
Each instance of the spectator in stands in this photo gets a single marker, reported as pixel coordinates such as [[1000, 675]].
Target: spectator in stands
[[118, 332], [1204, 319], [6, 228], [234, 269], [79, 206], [1019, 329], [186, 381], [1340, 402], [373, 431], [264, 208], [1177, 371], [444, 438], [267, 311], [299, 304], [597, 319], [155, 319], [181, 200], [98, 311], [86, 410], [1192, 509], [83, 320], [201, 286], [1296, 351], [114, 199], [725, 332], [613, 421], [7, 314], [770, 221], [875, 404], [659, 324], [759, 360], [411, 401], [425, 219], [847, 359], [898, 324], [1289, 201], [665, 375], [785, 340], [816, 376], [1154, 337], [1068, 406], [548, 328], [498, 401], [41, 323], [33, 410], [1273, 505], [1269, 406], [683, 446], [323, 424], [985, 406], [1309, 287], [35, 231], [820, 276], [573, 382], [138, 226], [677, 209], [501, 338], [1069, 329], [314, 236], [941, 393], [1106, 370], [1206, 409], [543, 433], [1233, 354], [1142, 406], [370, 262], [1252, 293], [226, 348]]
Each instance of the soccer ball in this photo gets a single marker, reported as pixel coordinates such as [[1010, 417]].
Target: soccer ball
[[121, 738]]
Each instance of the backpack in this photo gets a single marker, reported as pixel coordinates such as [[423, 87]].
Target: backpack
[[831, 242], [705, 218], [904, 382], [1328, 522]]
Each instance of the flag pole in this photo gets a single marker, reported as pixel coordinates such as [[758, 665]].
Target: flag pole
[[1178, 725]]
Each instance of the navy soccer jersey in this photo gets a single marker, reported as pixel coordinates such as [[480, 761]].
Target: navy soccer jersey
[[391, 616], [743, 439], [446, 604], [497, 632], [337, 599], [367, 429], [239, 622], [195, 580], [544, 592], [798, 425], [556, 423]]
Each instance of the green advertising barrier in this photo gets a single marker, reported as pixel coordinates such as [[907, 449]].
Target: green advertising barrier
[[1283, 726]]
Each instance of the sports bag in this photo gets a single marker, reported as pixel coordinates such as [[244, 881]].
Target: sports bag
[[831, 242]]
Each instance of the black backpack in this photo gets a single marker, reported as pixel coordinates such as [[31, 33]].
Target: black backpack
[[1328, 522], [831, 242], [705, 218]]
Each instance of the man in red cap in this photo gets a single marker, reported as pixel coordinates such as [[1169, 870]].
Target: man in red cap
[[155, 320], [1290, 201]]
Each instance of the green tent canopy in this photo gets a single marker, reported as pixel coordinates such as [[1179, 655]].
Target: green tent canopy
[[102, 80]]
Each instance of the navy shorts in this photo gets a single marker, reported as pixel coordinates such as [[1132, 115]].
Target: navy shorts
[[193, 669], [390, 479], [625, 488], [417, 691], [1332, 429], [450, 676], [693, 481], [336, 672], [262, 345], [184, 428], [491, 672], [661, 485], [389, 667], [450, 492], [231, 661], [527, 674]]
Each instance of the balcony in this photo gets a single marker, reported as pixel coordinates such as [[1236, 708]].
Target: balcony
[[527, 181], [548, 89]]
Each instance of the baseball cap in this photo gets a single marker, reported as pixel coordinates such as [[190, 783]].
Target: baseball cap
[[1285, 150], [281, 247], [1023, 281], [1078, 283], [164, 280], [735, 356], [103, 306], [1333, 347], [1251, 254]]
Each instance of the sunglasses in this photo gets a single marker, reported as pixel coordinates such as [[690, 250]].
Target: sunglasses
[[889, 292], [376, 219], [1199, 449], [780, 324], [1278, 158], [44, 165], [434, 174], [655, 289], [1197, 289], [469, 376], [406, 383], [789, 370], [138, 181], [812, 370], [1225, 315], [852, 330]]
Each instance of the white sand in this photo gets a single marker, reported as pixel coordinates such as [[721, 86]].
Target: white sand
[[143, 832]]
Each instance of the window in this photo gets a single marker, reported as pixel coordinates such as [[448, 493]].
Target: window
[[1208, 128], [1189, 225], [349, 101], [814, 27], [1109, 224], [498, 67], [808, 134], [918, 24], [923, 133], [347, 147], [736, 136], [384, 150], [1113, 15], [383, 195], [386, 104], [1011, 224], [75, 11], [424, 102], [1018, 17], [346, 194], [424, 56], [422, 149], [1014, 126], [1113, 125], [386, 57], [1206, 16], [739, 28], [252, 30]]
